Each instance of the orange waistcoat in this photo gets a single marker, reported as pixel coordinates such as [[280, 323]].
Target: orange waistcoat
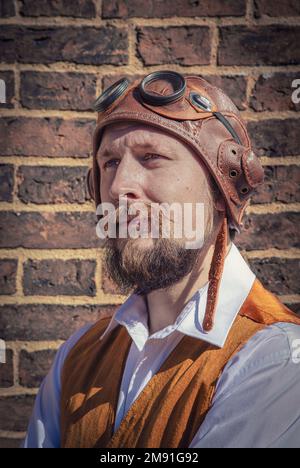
[[171, 408]]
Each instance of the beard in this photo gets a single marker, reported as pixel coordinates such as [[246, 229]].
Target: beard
[[142, 268], [149, 268]]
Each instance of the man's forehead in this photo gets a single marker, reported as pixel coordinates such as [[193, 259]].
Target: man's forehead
[[128, 127], [141, 134]]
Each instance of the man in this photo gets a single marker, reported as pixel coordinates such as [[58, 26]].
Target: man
[[200, 354]]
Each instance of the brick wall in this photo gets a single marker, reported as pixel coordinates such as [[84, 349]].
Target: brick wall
[[56, 57]]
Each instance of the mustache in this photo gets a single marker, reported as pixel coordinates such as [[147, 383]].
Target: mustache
[[143, 209]]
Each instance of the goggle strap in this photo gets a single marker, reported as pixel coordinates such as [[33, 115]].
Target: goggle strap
[[227, 124]]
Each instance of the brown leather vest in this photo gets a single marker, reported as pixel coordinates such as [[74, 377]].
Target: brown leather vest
[[172, 406]]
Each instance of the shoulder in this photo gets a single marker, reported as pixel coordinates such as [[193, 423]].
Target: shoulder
[[256, 403], [274, 348], [67, 346]]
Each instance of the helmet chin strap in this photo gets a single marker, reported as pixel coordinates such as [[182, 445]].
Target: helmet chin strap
[[215, 275]]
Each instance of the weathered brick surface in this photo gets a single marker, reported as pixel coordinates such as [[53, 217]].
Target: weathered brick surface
[[81, 45], [47, 185], [46, 322], [275, 137], [280, 275], [10, 443], [282, 185], [15, 412], [55, 277], [8, 271], [259, 45], [9, 80], [276, 9], [182, 45], [7, 8], [34, 366], [76, 8], [6, 182], [273, 92], [49, 136], [168, 8], [263, 231], [59, 230], [6, 370], [65, 91]]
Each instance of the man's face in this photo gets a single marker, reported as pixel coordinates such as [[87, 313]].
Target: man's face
[[144, 164]]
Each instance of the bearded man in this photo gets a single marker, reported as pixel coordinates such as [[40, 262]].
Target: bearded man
[[200, 354]]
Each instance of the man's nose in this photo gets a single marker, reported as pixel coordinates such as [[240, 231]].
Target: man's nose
[[126, 181]]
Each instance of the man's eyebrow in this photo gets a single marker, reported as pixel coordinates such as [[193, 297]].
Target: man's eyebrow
[[105, 153]]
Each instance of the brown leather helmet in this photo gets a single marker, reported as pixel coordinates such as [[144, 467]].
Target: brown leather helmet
[[198, 113], [205, 118]]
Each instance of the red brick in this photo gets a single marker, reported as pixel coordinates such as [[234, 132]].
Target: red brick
[[56, 277], [10, 443], [275, 9], [8, 271], [86, 45], [51, 137], [180, 45], [9, 78], [7, 8], [168, 8], [279, 275], [6, 182], [265, 231], [275, 137], [273, 92], [47, 184], [282, 185], [76, 8], [34, 366], [15, 412], [66, 91], [6, 370], [62, 230], [259, 45], [46, 322]]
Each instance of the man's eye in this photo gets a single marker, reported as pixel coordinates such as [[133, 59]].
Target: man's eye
[[111, 163], [151, 156]]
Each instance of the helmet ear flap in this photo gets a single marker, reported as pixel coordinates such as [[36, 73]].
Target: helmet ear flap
[[90, 183], [253, 169]]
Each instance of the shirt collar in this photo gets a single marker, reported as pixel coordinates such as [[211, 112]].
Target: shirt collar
[[236, 283]]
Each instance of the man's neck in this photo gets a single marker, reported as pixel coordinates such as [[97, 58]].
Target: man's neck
[[164, 305]]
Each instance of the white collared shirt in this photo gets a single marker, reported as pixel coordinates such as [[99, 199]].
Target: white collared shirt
[[261, 379]]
